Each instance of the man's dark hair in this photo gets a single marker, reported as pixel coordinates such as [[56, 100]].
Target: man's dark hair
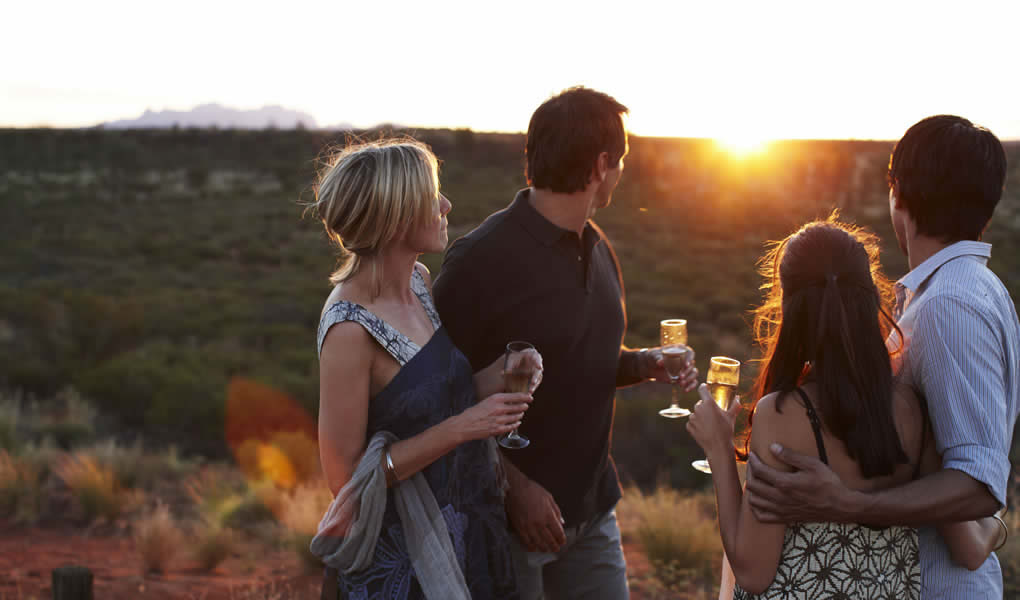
[[950, 174], [566, 135]]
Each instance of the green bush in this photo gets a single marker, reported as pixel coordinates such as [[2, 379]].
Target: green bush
[[161, 385]]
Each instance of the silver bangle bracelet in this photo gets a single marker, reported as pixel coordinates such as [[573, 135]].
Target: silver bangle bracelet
[[391, 472]]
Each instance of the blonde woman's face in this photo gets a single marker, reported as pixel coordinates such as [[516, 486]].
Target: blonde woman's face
[[432, 236]]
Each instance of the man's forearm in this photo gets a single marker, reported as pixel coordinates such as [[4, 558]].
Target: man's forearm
[[944, 496], [514, 477], [629, 369]]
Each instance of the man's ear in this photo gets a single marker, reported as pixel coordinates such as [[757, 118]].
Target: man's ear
[[602, 167], [897, 199]]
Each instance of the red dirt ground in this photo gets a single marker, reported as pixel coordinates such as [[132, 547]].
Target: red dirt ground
[[28, 556]]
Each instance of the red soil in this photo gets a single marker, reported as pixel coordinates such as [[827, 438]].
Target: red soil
[[29, 555]]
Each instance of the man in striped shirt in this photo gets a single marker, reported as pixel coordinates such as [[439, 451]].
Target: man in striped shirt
[[962, 355]]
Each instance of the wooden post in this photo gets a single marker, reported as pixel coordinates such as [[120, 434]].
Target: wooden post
[[72, 583]]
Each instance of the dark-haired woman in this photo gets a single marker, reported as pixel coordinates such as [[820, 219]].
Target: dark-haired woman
[[826, 387]]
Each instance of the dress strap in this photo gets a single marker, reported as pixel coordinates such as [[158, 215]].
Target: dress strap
[[816, 425], [422, 291], [400, 347]]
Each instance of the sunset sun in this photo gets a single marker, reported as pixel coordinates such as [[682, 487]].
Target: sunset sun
[[742, 144]]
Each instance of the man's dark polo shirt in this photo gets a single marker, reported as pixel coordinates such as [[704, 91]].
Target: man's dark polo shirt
[[519, 277]]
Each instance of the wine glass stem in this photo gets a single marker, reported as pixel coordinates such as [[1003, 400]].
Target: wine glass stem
[[676, 401]]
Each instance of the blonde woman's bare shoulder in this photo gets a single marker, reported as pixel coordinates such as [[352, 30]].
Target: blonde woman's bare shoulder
[[347, 342], [335, 296]]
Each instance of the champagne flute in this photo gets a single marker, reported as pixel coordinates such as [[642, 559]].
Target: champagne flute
[[517, 376], [722, 379], [675, 356]]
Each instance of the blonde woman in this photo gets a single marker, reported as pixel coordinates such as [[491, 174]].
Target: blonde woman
[[388, 371]]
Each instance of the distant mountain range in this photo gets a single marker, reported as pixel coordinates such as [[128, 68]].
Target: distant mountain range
[[223, 117]]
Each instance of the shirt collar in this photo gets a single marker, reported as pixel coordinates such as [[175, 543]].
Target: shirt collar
[[922, 272], [538, 226]]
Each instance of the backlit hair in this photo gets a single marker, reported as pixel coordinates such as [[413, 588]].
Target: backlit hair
[[369, 193], [826, 318]]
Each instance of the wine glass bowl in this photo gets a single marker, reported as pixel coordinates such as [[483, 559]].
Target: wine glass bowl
[[676, 355], [722, 379], [517, 376]]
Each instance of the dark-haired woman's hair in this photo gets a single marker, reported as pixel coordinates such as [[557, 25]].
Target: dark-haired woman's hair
[[825, 319]]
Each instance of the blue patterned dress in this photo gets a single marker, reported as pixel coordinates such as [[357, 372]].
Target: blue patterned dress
[[434, 382]]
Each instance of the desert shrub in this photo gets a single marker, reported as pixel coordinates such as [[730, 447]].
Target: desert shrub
[[42, 456], [302, 510], [157, 539], [10, 416], [678, 534], [94, 486], [70, 422], [126, 462], [258, 505], [161, 385], [218, 493], [20, 488], [213, 544]]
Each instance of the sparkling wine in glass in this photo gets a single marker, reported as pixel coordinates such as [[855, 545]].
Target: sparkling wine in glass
[[517, 375], [675, 356], [722, 379]]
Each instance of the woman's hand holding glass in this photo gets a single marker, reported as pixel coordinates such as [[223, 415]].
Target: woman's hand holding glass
[[712, 427], [496, 415]]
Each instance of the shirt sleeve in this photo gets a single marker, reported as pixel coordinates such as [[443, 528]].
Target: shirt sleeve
[[628, 368], [958, 360], [456, 294]]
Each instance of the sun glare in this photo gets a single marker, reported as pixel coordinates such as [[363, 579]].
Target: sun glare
[[743, 145]]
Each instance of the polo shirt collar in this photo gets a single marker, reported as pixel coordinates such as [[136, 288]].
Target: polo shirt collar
[[920, 274], [538, 226]]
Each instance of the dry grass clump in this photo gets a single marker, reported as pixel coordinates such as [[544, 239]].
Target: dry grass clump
[[157, 539], [213, 544], [20, 488], [94, 486], [678, 534], [217, 496], [302, 511]]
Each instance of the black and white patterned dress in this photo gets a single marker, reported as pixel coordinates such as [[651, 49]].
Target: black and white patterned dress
[[435, 382], [843, 561]]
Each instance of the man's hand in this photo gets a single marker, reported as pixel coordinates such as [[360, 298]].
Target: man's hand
[[535, 517], [652, 366], [811, 493]]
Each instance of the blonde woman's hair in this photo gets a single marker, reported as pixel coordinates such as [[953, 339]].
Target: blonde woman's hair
[[368, 193]]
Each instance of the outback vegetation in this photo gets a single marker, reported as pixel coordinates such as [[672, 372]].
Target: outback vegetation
[[160, 292]]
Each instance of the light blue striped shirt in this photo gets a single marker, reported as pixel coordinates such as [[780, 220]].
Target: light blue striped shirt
[[962, 343]]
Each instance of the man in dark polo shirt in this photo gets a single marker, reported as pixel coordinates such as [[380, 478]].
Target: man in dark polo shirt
[[541, 271]]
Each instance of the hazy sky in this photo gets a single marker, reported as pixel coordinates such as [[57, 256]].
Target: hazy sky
[[861, 69]]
